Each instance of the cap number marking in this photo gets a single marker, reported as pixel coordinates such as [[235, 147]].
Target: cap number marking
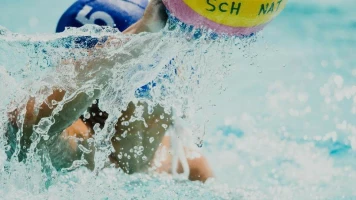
[[82, 16]]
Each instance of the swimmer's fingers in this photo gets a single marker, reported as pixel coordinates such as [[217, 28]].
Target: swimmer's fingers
[[153, 20], [155, 15]]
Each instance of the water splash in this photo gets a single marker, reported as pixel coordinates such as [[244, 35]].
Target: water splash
[[292, 136], [179, 68]]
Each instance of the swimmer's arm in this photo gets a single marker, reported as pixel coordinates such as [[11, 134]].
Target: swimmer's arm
[[73, 107], [23, 119], [63, 118], [153, 20]]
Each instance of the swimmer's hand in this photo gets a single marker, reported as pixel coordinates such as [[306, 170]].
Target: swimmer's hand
[[153, 20]]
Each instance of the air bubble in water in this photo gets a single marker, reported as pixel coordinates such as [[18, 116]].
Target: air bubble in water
[[125, 123], [151, 139], [123, 135], [43, 126], [97, 128], [87, 115], [150, 110], [54, 102], [165, 126], [45, 137]]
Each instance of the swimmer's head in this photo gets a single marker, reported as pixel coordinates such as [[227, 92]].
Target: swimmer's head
[[115, 13]]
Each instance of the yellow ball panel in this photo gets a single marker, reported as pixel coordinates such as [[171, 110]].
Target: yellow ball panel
[[238, 13]]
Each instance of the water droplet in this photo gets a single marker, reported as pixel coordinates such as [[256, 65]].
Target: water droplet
[[54, 102], [125, 123], [200, 144], [45, 137], [151, 139], [97, 128], [86, 115], [165, 126], [124, 134], [43, 126], [140, 148]]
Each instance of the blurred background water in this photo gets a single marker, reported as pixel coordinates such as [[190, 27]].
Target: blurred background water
[[285, 126]]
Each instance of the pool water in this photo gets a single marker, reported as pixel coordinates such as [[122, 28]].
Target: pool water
[[279, 124]]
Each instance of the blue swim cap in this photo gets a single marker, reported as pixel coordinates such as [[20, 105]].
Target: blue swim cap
[[115, 13]]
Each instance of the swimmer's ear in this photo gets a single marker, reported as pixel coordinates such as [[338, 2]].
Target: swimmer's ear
[[153, 20]]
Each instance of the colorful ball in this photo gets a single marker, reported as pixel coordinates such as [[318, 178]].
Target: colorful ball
[[115, 13], [232, 17]]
